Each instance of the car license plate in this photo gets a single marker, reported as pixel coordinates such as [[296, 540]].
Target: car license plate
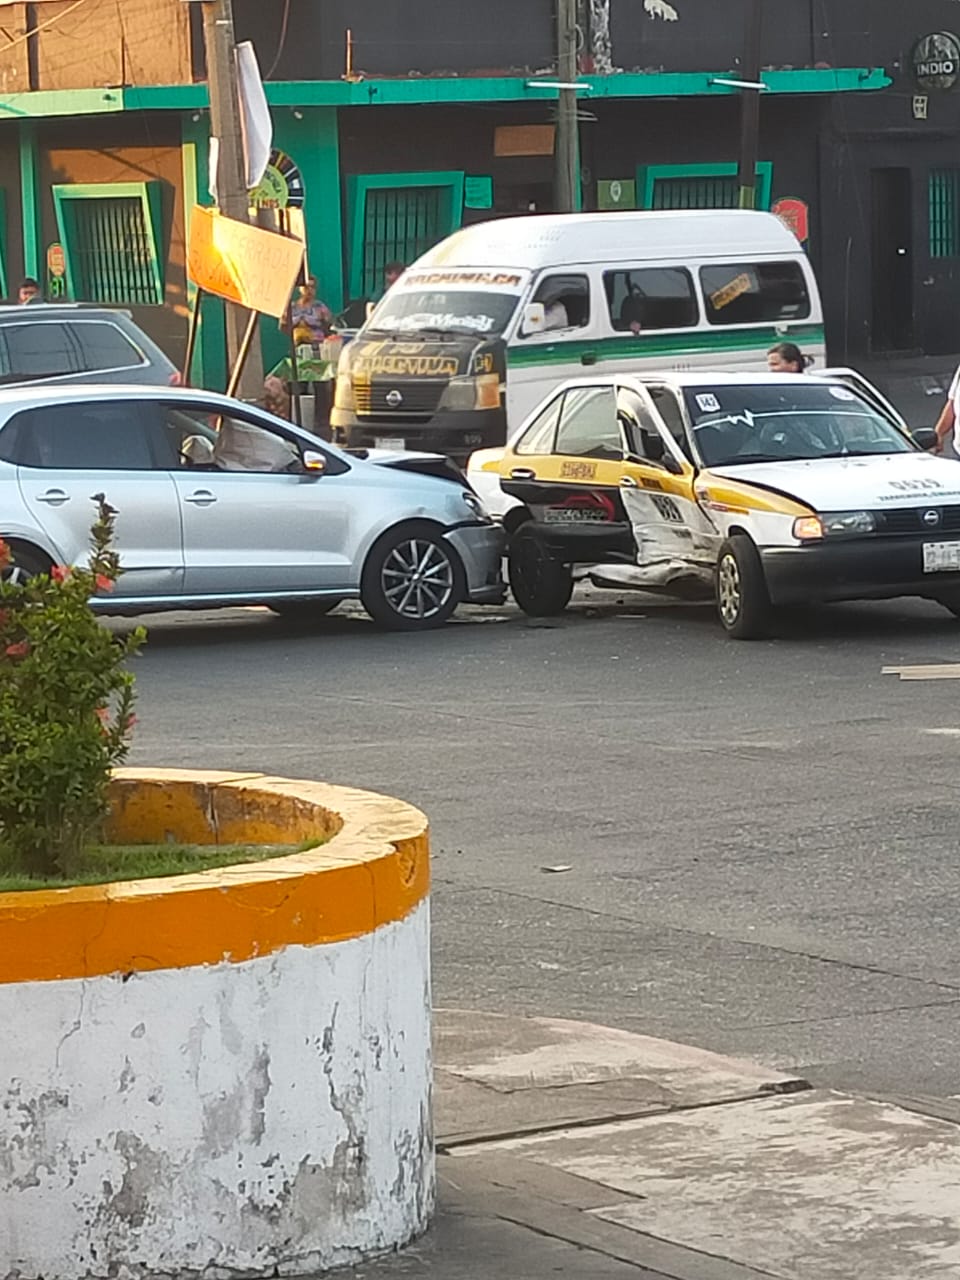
[[941, 557], [390, 442]]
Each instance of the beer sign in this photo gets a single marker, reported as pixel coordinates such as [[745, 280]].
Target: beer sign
[[936, 61]]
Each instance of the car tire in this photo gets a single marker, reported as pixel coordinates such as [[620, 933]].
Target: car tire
[[541, 585], [743, 602], [303, 610], [25, 563], [413, 579]]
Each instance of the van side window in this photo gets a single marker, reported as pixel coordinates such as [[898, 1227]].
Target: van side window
[[651, 298], [755, 292], [539, 436], [566, 300]]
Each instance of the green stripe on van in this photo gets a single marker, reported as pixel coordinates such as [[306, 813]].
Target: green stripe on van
[[673, 345]]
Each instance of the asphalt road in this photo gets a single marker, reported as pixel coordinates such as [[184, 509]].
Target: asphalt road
[[763, 840]]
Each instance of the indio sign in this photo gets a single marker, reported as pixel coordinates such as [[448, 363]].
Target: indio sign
[[936, 61]]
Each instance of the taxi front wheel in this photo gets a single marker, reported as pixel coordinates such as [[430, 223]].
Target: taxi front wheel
[[541, 586], [743, 602]]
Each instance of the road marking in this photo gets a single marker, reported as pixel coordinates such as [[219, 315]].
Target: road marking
[[943, 733], [941, 671]]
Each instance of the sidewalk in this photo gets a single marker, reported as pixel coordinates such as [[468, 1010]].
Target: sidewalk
[[569, 1150], [916, 385]]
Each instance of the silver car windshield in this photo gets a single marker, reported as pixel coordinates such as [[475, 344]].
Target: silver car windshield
[[743, 423], [480, 313]]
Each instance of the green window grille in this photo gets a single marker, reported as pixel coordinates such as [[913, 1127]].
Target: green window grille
[[395, 218], [944, 213], [111, 236], [695, 193], [399, 225], [698, 186]]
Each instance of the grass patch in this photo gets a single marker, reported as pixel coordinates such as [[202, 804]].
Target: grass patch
[[104, 863]]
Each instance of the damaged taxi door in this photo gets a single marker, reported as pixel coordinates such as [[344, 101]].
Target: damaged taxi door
[[671, 532], [566, 469]]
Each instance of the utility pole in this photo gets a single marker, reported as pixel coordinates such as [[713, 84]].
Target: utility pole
[[567, 180], [750, 106], [231, 179]]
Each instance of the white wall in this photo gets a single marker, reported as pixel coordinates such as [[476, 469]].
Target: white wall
[[244, 1117]]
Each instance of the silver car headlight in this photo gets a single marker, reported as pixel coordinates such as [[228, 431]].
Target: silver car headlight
[[477, 507]]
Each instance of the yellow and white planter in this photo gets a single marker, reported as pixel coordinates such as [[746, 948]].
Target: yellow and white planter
[[226, 1073]]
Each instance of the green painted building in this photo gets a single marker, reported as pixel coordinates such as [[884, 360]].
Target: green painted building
[[96, 185]]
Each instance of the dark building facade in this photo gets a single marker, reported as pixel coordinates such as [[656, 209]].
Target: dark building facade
[[396, 122]]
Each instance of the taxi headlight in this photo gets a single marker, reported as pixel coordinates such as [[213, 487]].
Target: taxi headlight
[[834, 524], [469, 394], [837, 524]]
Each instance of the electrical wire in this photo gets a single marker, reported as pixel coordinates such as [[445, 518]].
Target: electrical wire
[[27, 35], [283, 40]]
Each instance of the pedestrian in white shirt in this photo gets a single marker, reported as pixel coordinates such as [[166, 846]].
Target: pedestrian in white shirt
[[949, 420]]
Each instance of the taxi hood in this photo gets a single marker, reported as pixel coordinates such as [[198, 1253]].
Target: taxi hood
[[854, 484]]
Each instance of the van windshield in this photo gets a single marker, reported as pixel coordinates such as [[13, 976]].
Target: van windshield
[[477, 312]]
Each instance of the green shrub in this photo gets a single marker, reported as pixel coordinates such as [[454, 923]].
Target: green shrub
[[66, 706]]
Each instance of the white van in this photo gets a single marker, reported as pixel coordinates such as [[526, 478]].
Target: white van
[[485, 324]]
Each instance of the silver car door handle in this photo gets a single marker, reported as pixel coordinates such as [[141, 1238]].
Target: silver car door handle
[[55, 497], [522, 473], [628, 482], [202, 498]]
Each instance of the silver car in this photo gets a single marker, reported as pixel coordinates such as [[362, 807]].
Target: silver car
[[222, 504]]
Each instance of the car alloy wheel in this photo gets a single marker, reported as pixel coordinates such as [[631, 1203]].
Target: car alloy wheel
[[418, 579], [729, 591], [22, 568]]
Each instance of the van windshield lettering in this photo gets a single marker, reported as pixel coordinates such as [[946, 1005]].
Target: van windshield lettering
[[454, 311]]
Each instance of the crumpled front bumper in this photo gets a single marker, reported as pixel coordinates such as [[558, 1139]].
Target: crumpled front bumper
[[481, 548]]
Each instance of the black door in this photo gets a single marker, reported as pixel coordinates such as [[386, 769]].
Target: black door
[[892, 261]]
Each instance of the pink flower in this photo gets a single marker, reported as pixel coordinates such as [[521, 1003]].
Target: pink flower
[[5, 554], [103, 582], [130, 721], [18, 650], [103, 715], [60, 572]]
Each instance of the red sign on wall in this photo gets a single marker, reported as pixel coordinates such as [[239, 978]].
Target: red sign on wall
[[795, 215], [56, 261]]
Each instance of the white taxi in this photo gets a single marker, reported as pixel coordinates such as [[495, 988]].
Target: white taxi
[[764, 489]]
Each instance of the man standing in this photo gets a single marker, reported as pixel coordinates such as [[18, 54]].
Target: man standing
[[28, 292], [392, 273], [947, 422]]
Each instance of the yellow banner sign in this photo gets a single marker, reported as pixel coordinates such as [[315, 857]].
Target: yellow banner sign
[[241, 262]]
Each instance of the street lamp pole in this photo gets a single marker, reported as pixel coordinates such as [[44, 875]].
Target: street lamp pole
[[231, 178], [750, 107], [568, 143]]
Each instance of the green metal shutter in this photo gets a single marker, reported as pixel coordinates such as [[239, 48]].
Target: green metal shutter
[[695, 193], [400, 223], [109, 253], [112, 238], [944, 213]]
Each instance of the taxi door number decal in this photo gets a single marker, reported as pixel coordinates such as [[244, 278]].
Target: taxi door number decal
[[578, 470]]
